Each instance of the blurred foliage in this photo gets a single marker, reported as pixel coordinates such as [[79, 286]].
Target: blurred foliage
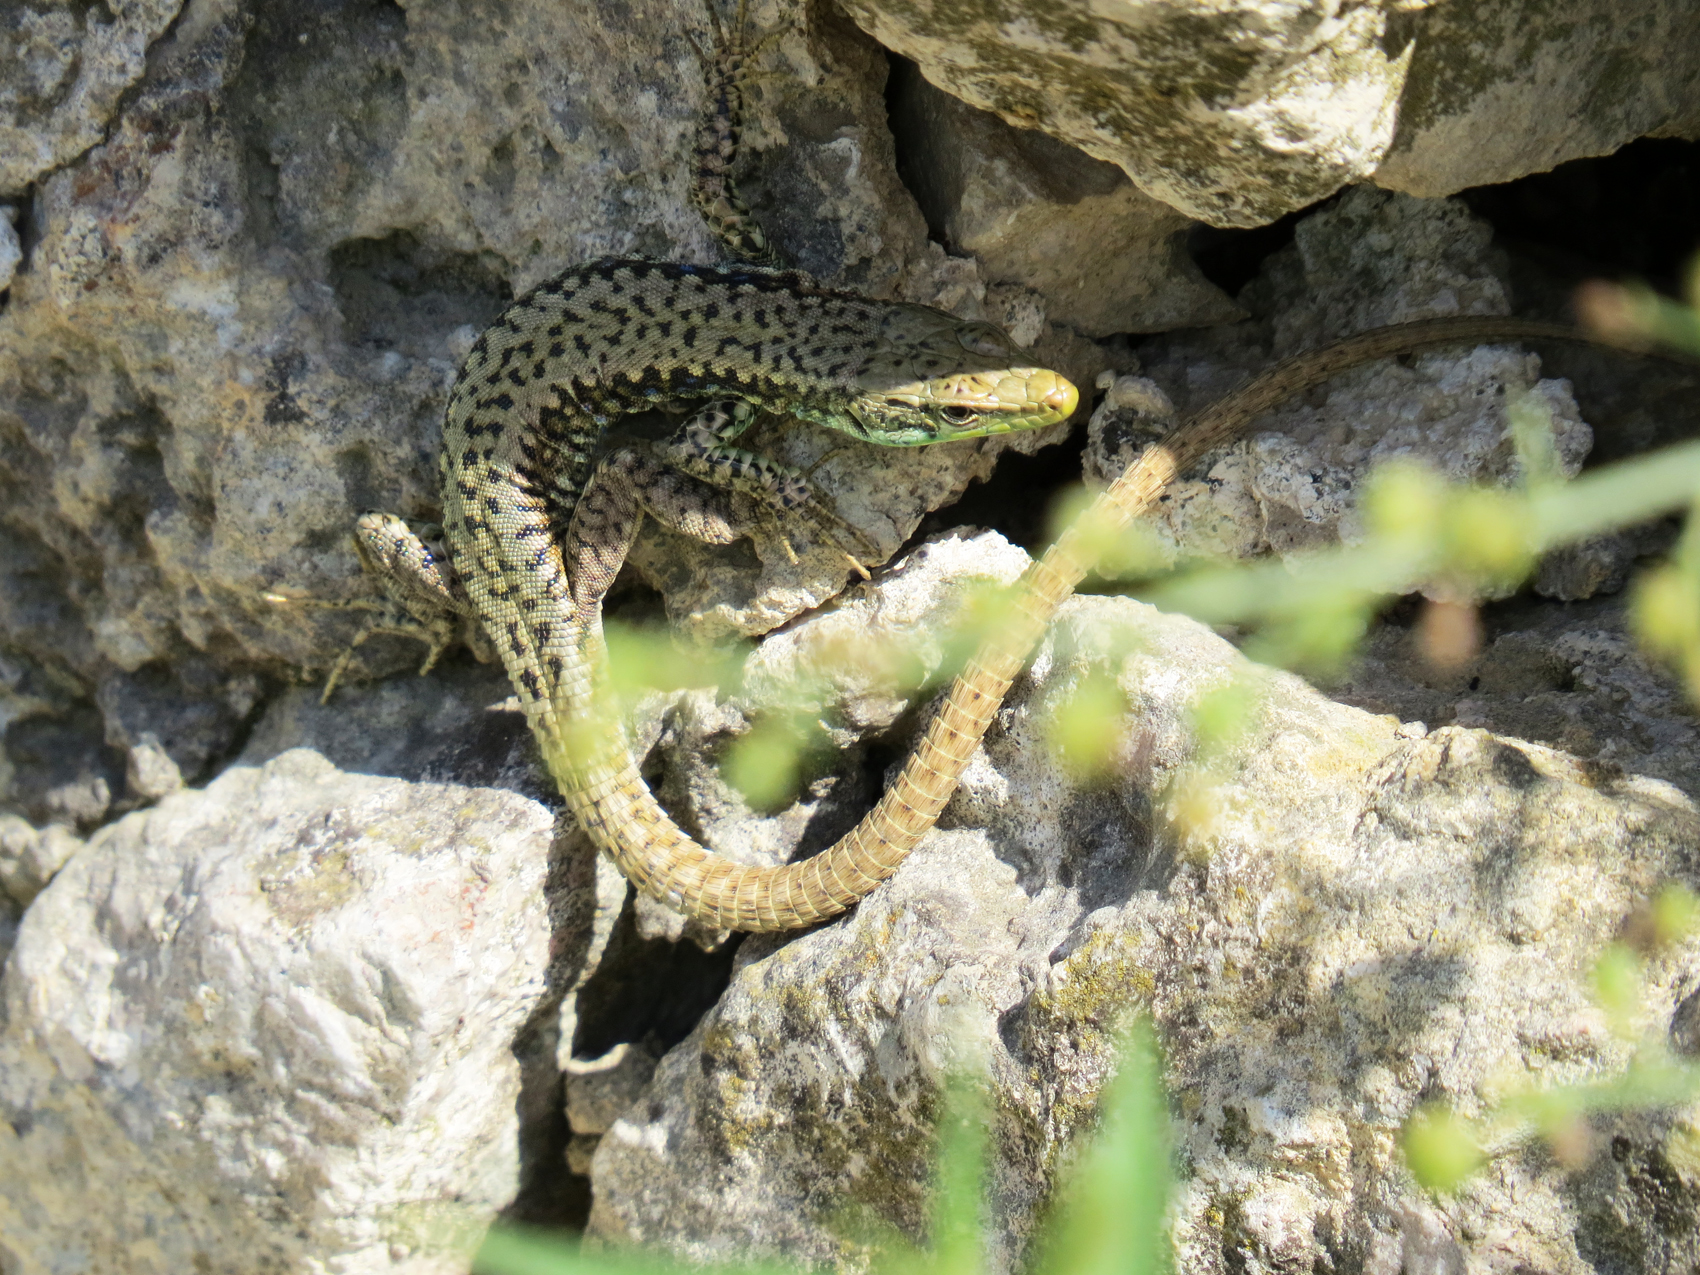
[[1107, 1214], [1454, 544]]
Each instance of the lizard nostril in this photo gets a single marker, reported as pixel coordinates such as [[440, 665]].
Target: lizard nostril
[[1063, 399]]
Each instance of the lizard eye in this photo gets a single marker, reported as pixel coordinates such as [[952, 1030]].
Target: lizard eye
[[959, 415]]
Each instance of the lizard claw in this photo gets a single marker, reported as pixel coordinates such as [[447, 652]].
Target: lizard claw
[[850, 540]]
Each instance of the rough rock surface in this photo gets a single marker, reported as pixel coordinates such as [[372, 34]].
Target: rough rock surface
[[246, 293], [1368, 259], [1237, 113], [243, 246], [272, 1025], [11, 251], [1498, 91], [1354, 926], [1036, 211], [1571, 677], [62, 72]]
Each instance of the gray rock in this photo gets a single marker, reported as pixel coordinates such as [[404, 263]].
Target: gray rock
[[11, 251], [62, 72], [1235, 114], [1290, 484], [1497, 91], [248, 290], [1330, 919], [272, 1023], [1569, 677], [1105, 256], [1230, 114], [31, 857], [600, 1089], [150, 773]]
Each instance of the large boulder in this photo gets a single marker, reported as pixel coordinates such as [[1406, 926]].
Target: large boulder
[[1237, 113], [1332, 918], [272, 1025]]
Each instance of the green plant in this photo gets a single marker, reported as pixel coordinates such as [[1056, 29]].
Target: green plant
[[1108, 1216], [1454, 543]]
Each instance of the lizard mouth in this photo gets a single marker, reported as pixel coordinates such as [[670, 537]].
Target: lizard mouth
[[972, 405]]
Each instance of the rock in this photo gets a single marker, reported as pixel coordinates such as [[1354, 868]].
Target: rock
[[151, 773], [1232, 115], [1290, 485], [248, 290], [1598, 564], [1569, 677], [600, 1089], [62, 72], [1330, 919], [1499, 91], [272, 1023], [617, 996], [1036, 211], [1236, 114], [31, 857], [11, 252]]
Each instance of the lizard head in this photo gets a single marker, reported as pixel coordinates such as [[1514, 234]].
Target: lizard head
[[933, 377]]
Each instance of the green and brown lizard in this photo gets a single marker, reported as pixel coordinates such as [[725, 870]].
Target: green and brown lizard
[[536, 524]]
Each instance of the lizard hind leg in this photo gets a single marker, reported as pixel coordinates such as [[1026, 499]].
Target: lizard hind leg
[[626, 485], [422, 599]]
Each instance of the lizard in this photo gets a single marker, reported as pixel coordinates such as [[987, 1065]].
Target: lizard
[[535, 526]]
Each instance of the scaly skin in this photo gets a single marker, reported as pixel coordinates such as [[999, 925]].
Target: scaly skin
[[497, 493], [535, 529], [524, 424]]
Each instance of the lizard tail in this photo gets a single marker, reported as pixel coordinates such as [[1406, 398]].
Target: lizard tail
[[610, 799], [607, 793]]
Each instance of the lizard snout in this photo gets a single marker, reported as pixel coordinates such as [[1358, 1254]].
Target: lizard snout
[[1060, 396]]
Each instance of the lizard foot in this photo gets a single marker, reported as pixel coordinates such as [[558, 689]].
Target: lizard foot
[[422, 598]]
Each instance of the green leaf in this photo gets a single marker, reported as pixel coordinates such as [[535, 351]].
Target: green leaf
[[1441, 1149], [1111, 1217], [1616, 980]]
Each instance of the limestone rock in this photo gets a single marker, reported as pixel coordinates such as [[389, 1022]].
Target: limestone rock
[[1290, 484], [1231, 114], [1497, 91], [600, 1089], [31, 857], [248, 289], [1235, 114], [62, 71], [272, 1024], [1346, 923], [1036, 211], [11, 251], [1570, 677]]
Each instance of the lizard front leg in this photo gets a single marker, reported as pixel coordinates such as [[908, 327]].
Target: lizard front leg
[[702, 447], [424, 599]]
